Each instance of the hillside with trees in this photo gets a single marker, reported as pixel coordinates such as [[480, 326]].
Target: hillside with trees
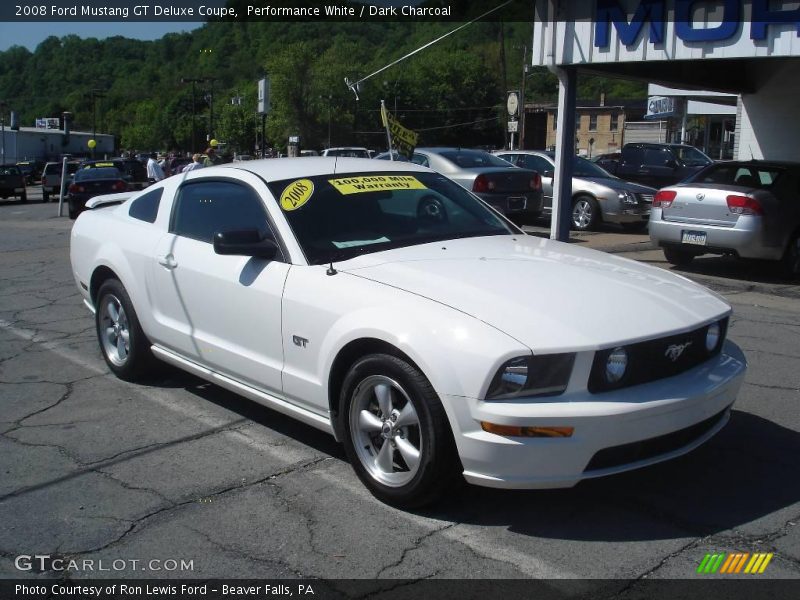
[[452, 92]]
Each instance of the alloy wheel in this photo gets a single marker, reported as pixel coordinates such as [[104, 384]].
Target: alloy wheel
[[386, 431], [115, 334]]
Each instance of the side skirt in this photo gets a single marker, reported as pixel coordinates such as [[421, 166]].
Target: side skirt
[[268, 400]]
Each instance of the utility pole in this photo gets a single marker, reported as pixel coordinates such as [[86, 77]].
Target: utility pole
[[95, 93], [3, 107], [522, 98], [193, 81]]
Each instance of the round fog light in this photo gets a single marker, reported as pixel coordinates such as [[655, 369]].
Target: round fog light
[[616, 364], [712, 336]]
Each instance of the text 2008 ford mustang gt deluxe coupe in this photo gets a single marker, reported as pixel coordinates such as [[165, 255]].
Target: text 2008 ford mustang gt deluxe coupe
[[385, 304]]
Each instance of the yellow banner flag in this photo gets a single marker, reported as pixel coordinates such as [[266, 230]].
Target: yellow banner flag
[[404, 140]]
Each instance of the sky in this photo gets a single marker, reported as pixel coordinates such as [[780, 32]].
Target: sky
[[31, 34]]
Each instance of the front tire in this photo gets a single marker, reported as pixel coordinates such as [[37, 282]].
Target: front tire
[[397, 436], [585, 213], [677, 257], [123, 344], [45, 196]]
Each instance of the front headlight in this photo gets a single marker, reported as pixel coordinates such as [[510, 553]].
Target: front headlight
[[628, 197], [529, 376]]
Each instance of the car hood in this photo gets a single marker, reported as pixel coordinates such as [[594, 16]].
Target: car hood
[[620, 184], [550, 296]]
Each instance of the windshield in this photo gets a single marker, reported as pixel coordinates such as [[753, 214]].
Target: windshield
[[691, 157], [474, 159], [98, 173], [352, 152], [336, 217], [585, 168], [743, 175]]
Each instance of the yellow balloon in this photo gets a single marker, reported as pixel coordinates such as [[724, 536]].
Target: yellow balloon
[[91, 144], [213, 143]]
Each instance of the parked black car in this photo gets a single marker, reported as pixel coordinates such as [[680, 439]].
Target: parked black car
[[93, 180], [12, 183], [657, 165], [31, 170]]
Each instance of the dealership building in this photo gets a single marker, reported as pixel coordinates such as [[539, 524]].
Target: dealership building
[[745, 48]]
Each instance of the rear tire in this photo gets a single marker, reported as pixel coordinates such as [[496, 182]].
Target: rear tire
[[677, 257], [123, 344], [45, 196], [396, 433], [585, 213], [24, 197], [791, 258]]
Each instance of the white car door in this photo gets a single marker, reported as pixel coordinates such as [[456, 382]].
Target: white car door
[[221, 311]]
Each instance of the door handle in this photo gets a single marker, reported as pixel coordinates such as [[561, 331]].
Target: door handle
[[167, 261]]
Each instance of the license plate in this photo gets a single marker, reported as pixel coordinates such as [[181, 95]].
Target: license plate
[[517, 203], [697, 238]]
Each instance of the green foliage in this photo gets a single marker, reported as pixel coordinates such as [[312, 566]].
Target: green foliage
[[452, 92]]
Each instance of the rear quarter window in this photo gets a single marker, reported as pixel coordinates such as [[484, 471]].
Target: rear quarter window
[[145, 208]]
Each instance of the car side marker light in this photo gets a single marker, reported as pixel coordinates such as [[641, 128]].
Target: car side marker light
[[513, 431]]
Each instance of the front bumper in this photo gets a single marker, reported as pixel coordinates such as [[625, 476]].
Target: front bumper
[[745, 239], [601, 421]]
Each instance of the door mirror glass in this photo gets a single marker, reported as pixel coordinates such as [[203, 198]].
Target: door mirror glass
[[245, 242]]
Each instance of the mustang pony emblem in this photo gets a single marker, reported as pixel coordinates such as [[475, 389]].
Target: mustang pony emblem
[[674, 351]]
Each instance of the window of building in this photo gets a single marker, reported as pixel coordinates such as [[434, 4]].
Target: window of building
[[614, 122], [593, 122]]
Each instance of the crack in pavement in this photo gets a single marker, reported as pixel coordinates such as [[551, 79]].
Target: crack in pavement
[[95, 466], [244, 554], [414, 546], [179, 505], [772, 387]]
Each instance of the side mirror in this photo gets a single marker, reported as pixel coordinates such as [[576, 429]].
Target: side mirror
[[244, 242], [547, 174]]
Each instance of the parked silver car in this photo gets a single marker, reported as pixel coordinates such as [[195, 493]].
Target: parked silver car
[[512, 191], [747, 209], [596, 194]]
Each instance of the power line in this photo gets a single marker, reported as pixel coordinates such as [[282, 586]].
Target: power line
[[383, 132]]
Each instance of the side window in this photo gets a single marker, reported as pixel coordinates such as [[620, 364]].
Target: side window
[[656, 157], [145, 208], [634, 154], [537, 163], [419, 159], [205, 207], [512, 158]]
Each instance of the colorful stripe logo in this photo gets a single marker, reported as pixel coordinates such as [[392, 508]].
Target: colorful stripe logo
[[735, 563]]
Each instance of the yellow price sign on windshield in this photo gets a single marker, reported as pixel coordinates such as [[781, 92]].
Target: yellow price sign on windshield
[[376, 183]]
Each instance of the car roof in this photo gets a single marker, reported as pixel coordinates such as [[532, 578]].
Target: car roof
[[278, 169], [440, 149], [759, 163]]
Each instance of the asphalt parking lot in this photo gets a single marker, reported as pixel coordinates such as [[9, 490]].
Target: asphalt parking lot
[[181, 470]]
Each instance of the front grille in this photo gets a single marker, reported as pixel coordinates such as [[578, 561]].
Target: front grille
[[656, 359], [626, 454]]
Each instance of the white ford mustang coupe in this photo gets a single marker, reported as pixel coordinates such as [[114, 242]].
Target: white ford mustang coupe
[[385, 304]]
